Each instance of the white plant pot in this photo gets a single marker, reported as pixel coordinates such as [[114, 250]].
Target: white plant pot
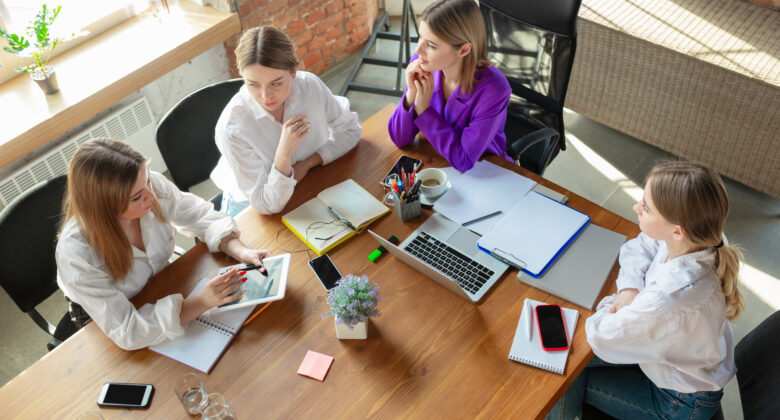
[[359, 332]]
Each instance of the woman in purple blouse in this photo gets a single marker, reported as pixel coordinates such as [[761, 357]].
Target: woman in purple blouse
[[453, 93]]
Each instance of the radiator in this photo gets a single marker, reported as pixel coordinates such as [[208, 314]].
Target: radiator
[[133, 124]]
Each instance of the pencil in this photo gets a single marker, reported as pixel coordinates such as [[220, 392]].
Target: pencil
[[254, 315]]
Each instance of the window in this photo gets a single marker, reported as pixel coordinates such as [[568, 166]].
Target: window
[[93, 16]]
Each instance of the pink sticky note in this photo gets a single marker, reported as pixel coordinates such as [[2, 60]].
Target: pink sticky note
[[315, 365]]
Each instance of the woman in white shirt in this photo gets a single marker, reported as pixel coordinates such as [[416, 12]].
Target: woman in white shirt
[[664, 345], [280, 124], [118, 231]]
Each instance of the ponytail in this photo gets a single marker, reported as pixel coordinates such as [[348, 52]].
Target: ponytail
[[727, 270]]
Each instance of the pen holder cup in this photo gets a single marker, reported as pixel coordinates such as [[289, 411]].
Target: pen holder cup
[[406, 210]]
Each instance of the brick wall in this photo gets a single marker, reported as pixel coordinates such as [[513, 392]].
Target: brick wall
[[323, 31]]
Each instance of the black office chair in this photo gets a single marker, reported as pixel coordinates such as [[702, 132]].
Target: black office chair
[[532, 43], [758, 370], [185, 135], [28, 238]]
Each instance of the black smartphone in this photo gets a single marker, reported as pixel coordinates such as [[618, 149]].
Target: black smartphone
[[116, 394], [325, 270], [552, 328], [408, 164]]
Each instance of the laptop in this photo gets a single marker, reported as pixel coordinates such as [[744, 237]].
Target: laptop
[[447, 252]]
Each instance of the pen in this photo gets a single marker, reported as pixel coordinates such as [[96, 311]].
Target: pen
[[479, 219], [259, 268], [340, 217], [530, 310]]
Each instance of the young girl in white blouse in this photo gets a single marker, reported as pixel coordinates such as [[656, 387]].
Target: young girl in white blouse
[[118, 231], [664, 346], [280, 124]]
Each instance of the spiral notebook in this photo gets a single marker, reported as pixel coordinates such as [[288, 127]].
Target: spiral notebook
[[530, 351], [205, 338]]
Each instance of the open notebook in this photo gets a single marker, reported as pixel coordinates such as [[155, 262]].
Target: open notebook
[[318, 228], [205, 338], [530, 351]]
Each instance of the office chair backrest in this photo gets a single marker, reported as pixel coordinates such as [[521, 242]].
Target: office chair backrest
[[28, 238], [185, 135], [533, 43]]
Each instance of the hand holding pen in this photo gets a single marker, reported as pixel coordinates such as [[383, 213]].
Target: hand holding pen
[[258, 267]]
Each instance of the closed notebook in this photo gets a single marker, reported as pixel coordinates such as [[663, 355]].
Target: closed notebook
[[533, 233], [205, 338], [318, 228], [530, 351]]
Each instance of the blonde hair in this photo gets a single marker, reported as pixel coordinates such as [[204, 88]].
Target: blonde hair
[[693, 196], [267, 46], [101, 176], [458, 22]]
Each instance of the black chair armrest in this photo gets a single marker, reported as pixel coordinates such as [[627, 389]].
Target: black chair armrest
[[517, 147]]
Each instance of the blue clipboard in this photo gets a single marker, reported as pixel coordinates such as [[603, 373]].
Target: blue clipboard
[[534, 233]]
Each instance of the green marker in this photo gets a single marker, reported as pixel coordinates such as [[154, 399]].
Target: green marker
[[375, 254]]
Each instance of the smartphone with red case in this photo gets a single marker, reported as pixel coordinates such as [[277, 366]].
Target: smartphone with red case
[[552, 327]]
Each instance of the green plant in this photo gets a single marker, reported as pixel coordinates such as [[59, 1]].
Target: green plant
[[43, 43], [353, 300]]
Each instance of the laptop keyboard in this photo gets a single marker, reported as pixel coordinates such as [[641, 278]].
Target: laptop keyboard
[[469, 274]]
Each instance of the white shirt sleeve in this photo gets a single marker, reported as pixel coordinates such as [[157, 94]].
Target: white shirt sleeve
[[636, 256], [268, 189], [85, 281], [634, 334], [192, 214], [344, 126]]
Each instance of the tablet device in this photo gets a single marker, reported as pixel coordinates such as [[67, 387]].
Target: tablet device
[[260, 288]]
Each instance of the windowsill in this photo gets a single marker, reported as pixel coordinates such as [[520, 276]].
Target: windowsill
[[124, 59]]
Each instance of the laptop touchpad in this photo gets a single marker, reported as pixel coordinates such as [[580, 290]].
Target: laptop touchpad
[[465, 241]]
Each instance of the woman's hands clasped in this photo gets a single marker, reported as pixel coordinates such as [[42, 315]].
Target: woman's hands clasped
[[418, 81]]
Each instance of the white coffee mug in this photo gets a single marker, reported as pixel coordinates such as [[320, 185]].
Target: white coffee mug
[[433, 182]]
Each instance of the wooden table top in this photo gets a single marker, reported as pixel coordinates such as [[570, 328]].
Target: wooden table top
[[430, 354]]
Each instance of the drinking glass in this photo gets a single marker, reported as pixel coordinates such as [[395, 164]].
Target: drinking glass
[[189, 389], [216, 408]]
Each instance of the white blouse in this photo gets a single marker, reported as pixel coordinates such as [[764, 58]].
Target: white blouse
[[676, 327], [248, 135], [85, 279]]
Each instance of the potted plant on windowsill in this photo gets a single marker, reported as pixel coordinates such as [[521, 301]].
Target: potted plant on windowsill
[[41, 48], [353, 301]]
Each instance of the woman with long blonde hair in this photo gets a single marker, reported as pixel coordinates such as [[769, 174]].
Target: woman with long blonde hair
[[664, 345], [118, 231], [454, 96]]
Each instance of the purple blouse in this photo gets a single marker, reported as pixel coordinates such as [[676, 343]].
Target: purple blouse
[[463, 128]]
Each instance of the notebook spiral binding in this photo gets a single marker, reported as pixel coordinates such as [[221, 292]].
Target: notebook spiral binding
[[223, 328], [535, 364]]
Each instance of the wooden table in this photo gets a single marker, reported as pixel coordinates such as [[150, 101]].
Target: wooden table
[[431, 353]]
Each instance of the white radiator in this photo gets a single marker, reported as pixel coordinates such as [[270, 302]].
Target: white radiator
[[133, 124]]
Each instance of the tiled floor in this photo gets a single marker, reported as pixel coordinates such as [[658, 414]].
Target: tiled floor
[[601, 164]]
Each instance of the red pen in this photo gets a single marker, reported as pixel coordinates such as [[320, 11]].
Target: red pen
[[403, 178]]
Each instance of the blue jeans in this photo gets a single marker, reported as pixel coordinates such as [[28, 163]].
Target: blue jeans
[[624, 392], [231, 206]]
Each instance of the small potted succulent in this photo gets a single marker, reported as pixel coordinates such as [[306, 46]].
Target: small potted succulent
[[41, 48], [352, 302]]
